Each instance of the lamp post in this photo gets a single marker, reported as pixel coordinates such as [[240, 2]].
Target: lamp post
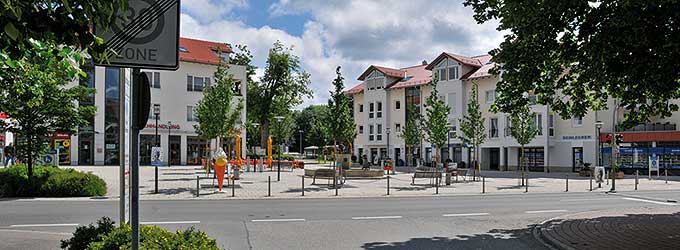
[[278, 131], [598, 125], [169, 149], [300, 131], [156, 114], [389, 159]]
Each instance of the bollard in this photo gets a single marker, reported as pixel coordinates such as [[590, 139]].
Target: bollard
[[566, 184], [483, 184], [388, 185], [233, 184], [335, 183], [636, 178], [269, 186], [607, 176], [198, 187], [591, 182], [665, 173], [526, 187], [303, 185], [156, 180], [436, 184]]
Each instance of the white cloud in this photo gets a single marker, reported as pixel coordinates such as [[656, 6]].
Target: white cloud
[[356, 34], [210, 10]]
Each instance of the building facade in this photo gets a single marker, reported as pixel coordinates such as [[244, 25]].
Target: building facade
[[175, 93], [381, 99]]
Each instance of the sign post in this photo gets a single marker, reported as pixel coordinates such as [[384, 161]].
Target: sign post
[[145, 35], [653, 165]]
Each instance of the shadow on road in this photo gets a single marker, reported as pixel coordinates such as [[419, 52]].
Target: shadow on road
[[494, 239]]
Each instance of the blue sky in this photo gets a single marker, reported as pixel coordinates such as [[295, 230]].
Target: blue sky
[[351, 33]]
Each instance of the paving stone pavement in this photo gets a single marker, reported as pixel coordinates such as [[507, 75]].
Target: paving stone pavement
[[634, 229], [179, 182]]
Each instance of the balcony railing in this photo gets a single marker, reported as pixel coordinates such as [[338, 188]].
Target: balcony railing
[[650, 127]]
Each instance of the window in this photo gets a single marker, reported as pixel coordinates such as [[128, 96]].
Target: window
[[379, 114], [453, 73], [508, 126], [152, 108], [551, 125], [361, 108], [237, 87], [195, 83], [490, 96], [361, 130], [191, 114], [397, 105], [577, 121], [447, 70], [442, 74], [538, 123], [452, 130], [370, 132], [154, 79], [379, 133], [397, 127], [493, 128], [451, 101], [370, 110], [375, 80]]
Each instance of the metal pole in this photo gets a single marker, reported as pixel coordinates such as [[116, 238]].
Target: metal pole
[[526, 187], [233, 185], [269, 186], [278, 165], [665, 173], [169, 152], [303, 185], [198, 186], [636, 178], [483, 185], [157, 145], [607, 176], [591, 181], [436, 183], [134, 163], [335, 183], [566, 183], [388, 185], [121, 152]]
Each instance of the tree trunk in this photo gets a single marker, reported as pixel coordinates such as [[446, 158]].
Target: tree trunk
[[30, 162]]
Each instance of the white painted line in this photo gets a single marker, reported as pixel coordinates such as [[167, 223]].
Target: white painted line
[[650, 201], [589, 199], [546, 211], [465, 215], [278, 220], [169, 222], [376, 217], [47, 225]]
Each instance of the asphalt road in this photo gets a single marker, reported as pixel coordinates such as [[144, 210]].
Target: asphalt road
[[461, 222]]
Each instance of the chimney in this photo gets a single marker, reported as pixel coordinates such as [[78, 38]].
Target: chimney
[[424, 62]]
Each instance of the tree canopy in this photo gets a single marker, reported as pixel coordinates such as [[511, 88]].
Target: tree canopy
[[437, 124], [340, 121], [575, 54], [472, 123]]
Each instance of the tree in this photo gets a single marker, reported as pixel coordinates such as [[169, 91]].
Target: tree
[[318, 135], [218, 112], [282, 87], [67, 23], [339, 119], [437, 125], [524, 130], [574, 55], [472, 125], [412, 133], [35, 94]]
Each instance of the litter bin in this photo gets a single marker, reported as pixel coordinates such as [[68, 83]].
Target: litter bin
[[236, 173]]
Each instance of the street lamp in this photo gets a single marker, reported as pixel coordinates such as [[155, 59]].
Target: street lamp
[[598, 125], [156, 114], [169, 150], [255, 125], [278, 130], [448, 144], [389, 159]]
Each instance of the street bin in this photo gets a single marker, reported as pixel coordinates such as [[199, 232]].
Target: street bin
[[236, 173], [452, 166]]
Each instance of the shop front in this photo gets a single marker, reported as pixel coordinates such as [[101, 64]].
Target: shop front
[[62, 142], [197, 149]]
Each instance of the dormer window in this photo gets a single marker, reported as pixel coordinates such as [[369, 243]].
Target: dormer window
[[375, 80], [447, 70]]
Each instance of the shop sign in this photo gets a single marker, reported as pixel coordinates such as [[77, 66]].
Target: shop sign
[[162, 126], [576, 137]]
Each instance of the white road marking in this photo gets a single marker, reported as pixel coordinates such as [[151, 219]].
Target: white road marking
[[589, 199], [47, 225], [465, 215], [377, 217], [650, 201], [170, 222], [277, 220], [546, 211]]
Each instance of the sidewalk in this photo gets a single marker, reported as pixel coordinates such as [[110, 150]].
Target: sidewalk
[[643, 228], [179, 182]]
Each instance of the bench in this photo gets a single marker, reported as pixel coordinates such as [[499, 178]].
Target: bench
[[425, 174], [322, 174]]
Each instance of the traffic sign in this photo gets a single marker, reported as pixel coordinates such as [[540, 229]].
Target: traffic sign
[[145, 35], [156, 156]]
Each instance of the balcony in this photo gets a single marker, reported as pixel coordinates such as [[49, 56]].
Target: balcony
[[648, 127]]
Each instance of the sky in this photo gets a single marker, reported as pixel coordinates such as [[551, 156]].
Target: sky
[[353, 34]]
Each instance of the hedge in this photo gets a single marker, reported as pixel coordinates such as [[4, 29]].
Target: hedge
[[49, 181], [105, 236]]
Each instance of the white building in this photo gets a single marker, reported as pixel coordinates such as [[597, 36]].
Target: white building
[[380, 101], [176, 92]]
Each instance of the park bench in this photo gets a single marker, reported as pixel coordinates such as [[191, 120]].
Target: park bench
[[428, 174], [323, 173]]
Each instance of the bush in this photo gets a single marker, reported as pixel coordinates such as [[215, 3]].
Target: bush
[[49, 181], [151, 237], [86, 234]]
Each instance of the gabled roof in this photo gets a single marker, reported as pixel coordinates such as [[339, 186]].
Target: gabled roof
[[356, 89], [387, 71], [415, 76], [472, 61], [200, 51], [482, 71]]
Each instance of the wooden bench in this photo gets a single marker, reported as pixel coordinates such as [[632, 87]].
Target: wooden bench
[[322, 174], [425, 175]]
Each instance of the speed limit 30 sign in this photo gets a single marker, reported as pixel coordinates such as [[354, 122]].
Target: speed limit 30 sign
[[145, 35]]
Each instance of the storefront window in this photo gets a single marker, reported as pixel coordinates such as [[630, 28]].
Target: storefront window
[[146, 142], [196, 150], [534, 157], [112, 113]]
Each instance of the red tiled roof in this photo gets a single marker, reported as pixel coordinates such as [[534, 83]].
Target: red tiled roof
[[200, 51], [482, 71], [415, 76], [474, 62], [356, 89], [387, 71]]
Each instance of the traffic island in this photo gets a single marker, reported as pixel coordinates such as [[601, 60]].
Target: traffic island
[[640, 228]]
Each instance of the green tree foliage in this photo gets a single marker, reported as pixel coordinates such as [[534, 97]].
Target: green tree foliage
[[282, 87], [437, 124], [340, 121], [35, 92], [523, 129], [219, 112], [59, 22], [472, 124], [312, 121], [575, 54], [284, 131], [412, 133]]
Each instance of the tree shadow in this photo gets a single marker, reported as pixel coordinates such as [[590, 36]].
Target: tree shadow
[[494, 239], [413, 188]]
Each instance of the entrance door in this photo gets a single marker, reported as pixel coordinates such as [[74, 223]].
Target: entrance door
[[494, 158], [175, 149], [86, 152], [397, 156], [577, 158]]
